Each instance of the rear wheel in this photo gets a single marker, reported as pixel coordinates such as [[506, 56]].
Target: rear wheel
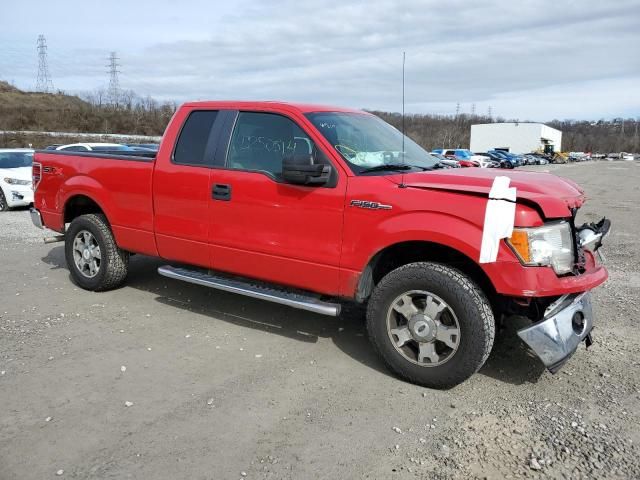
[[94, 260], [3, 202], [431, 324]]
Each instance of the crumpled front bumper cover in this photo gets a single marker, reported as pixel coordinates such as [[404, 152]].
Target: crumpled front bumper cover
[[566, 323]]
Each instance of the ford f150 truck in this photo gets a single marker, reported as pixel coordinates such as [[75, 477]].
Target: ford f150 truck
[[309, 206]]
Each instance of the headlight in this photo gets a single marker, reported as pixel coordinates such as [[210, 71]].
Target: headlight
[[16, 181], [549, 245]]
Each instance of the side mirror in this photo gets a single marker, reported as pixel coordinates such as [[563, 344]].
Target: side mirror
[[300, 170]]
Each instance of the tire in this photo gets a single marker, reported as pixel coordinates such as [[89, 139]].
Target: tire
[[3, 202], [113, 262], [467, 308]]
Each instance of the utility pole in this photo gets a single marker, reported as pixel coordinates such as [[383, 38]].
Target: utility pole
[[113, 93], [43, 81]]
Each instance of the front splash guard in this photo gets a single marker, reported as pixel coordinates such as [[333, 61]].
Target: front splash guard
[[566, 323]]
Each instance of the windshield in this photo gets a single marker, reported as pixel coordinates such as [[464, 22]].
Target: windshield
[[16, 159], [366, 142]]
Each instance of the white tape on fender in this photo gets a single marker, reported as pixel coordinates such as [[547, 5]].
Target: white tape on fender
[[498, 219]]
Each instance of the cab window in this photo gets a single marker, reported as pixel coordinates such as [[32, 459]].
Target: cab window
[[260, 142]]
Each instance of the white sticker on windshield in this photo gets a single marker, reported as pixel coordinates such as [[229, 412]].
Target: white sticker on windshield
[[498, 218]]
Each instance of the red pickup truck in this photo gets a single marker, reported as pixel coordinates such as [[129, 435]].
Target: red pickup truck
[[310, 206]]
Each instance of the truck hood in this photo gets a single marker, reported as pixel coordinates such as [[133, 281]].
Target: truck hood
[[554, 195]]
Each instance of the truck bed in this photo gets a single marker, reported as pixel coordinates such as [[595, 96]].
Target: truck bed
[[121, 185]]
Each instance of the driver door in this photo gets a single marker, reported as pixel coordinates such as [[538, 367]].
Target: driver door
[[262, 227]]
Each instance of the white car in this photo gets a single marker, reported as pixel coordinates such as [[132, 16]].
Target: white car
[[16, 184], [93, 147]]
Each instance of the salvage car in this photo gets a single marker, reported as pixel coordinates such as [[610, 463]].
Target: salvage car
[[465, 155], [15, 178], [449, 162], [311, 206]]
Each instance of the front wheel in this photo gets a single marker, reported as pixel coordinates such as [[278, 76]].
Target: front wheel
[[431, 324], [4, 206], [93, 257]]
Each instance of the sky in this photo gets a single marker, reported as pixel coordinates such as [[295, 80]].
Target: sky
[[526, 60]]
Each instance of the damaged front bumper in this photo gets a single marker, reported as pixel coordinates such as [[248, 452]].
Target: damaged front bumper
[[567, 322]]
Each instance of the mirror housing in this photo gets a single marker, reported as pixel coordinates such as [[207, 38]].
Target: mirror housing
[[300, 170]]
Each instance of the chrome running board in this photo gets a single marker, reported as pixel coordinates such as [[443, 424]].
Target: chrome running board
[[301, 301]]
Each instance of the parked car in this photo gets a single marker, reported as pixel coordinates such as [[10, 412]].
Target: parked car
[[15, 178], [533, 159], [579, 156], [462, 154], [94, 147], [503, 160], [309, 206], [515, 159], [450, 162], [148, 146], [626, 156], [468, 163], [485, 161]]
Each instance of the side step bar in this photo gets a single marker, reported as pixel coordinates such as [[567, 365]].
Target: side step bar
[[296, 300]]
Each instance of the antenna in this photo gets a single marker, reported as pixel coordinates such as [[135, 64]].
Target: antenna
[[43, 82], [404, 55], [114, 85]]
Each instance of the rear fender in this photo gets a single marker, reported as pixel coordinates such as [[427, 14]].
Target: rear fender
[[87, 186]]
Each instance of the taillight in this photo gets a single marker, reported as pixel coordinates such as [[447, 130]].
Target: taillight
[[36, 175]]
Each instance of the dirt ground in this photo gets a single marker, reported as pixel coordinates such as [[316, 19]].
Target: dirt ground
[[226, 387]]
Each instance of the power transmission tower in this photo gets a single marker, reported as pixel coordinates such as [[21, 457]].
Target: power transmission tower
[[489, 112], [113, 93], [43, 82], [457, 109], [473, 109]]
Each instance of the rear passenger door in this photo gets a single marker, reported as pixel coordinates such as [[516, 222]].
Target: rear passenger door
[[181, 193], [265, 228]]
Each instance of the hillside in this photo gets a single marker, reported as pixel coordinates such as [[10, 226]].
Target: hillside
[[143, 116], [60, 112]]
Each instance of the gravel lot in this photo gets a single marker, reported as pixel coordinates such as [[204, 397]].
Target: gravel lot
[[162, 379]]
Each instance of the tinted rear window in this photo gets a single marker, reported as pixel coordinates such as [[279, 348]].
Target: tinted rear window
[[192, 143]]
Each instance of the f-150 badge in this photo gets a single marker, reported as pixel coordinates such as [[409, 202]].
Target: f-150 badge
[[370, 205]]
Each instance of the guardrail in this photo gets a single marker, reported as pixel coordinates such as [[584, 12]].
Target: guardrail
[[101, 136]]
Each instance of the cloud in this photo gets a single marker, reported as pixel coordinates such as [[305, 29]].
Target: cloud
[[524, 59]]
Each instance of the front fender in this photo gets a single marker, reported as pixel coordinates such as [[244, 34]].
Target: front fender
[[451, 231], [454, 232]]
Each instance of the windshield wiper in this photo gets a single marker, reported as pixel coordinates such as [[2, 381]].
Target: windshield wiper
[[386, 167]]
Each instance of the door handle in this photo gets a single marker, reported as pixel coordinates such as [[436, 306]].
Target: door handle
[[221, 191]]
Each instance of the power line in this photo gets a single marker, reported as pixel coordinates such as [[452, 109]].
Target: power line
[[113, 93], [43, 81]]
